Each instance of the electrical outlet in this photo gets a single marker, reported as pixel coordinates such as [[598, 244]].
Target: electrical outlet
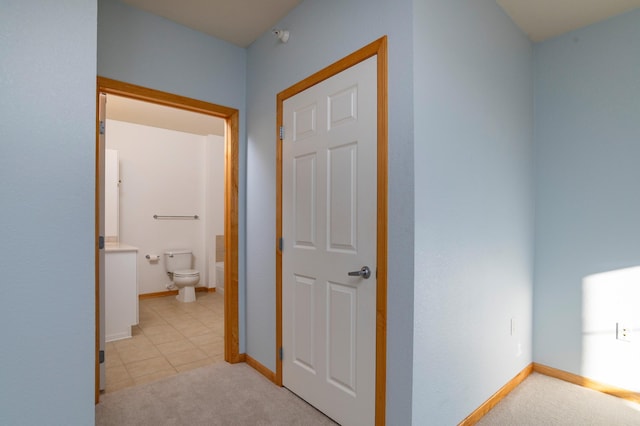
[[623, 332]]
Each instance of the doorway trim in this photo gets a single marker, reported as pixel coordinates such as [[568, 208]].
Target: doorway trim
[[231, 184], [377, 48]]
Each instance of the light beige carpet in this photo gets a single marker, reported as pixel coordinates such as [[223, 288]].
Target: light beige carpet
[[237, 395], [219, 394], [544, 401]]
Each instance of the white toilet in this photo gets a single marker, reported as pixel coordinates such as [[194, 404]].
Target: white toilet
[[178, 265]]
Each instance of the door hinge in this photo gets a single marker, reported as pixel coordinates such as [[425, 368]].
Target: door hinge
[[102, 127], [281, 353], [100, 242], [281, 244], [101, 357], [281, 133]]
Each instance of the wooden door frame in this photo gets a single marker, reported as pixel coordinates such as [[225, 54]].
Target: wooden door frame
[[377, 48], [231, 158]]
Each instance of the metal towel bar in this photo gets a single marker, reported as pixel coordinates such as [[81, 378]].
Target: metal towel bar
[[160, 217]]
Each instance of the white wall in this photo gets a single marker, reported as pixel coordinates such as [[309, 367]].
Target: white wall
[[323, 31], [473, 105], [111, 195], [47, 163], [214, 202], [587, 174], [164, 172]]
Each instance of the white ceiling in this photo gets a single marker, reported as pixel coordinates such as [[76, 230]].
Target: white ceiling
[[149, 114]]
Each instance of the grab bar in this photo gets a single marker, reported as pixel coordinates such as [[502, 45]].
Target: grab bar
[[160, 217]]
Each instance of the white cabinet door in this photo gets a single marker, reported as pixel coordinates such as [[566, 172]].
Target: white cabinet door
[[121, 294]]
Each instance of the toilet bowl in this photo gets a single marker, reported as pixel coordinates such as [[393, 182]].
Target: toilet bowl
[[178, 264], [186, 281]]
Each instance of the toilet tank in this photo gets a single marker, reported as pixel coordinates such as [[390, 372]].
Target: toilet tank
[[177, 259]]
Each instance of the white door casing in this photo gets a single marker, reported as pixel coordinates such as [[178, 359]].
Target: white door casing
[[329, 222]]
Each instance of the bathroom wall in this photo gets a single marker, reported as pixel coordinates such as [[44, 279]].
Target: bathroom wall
[[164, 172], [214, 204], [111, 195]]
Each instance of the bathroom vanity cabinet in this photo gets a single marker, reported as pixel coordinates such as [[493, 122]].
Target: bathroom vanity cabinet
[[121, 291]]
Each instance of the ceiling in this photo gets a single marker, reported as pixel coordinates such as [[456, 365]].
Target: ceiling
[[153, 115], [237, 21], [242, 21], [545, 19]]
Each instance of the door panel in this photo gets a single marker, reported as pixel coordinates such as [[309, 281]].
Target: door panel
[[343, 107], [329, 216], [304, 203], [303, 324], [304, 121], [341, 308], [342, 198]]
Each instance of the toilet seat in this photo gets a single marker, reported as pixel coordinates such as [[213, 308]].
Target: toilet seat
[[185, 273]]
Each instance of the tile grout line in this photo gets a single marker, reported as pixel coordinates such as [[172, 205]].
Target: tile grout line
[[154, 313]]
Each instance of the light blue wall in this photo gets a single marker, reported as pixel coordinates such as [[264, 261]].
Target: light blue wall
[[473, 105], [587, 86], [323, 31], [47, 157], [148, 50], [144, 49]]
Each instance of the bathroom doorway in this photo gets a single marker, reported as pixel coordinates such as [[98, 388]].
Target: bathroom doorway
[[227, 239]]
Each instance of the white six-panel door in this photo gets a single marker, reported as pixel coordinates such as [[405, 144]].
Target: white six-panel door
[[329, 213]]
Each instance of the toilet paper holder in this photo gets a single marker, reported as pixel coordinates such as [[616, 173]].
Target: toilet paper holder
[[152, 258]]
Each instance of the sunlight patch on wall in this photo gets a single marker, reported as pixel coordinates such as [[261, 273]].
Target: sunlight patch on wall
[[611, 328]]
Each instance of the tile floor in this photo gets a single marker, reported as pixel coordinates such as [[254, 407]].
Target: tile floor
[[171, 337]]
